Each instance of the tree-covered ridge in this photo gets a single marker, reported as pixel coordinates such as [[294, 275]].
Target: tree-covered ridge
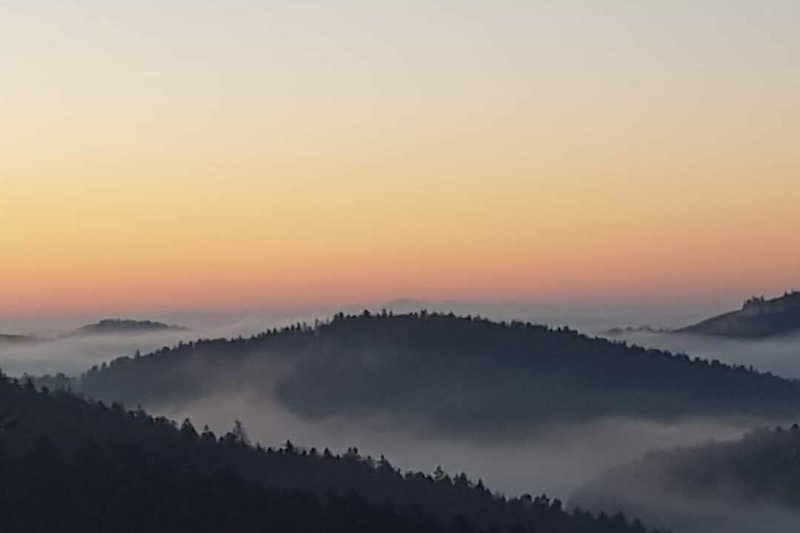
[[67, 464], [124, 325], [454, 374], [758, 318]]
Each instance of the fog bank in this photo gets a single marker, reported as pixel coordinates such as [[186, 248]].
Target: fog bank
[[556, 462]]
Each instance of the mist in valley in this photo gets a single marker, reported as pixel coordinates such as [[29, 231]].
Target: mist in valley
[[692, 492], [568, 461], [54, 345], [556, 462], [687, 513], [778, 355]]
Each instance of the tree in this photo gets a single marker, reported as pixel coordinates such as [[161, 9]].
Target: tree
[[238, 434], [187, 428]]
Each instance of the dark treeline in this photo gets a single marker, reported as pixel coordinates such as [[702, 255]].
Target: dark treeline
[[67, 464], [121, 490], [758, 318], [448, 374]]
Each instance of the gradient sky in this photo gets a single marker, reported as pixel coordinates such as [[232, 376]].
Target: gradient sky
[[178, 154]]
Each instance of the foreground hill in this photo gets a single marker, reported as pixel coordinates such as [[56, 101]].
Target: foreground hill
[[119, 325], [70, 465], [758, 318], [447, 374]]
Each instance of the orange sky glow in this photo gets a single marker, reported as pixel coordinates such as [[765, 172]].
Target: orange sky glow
[[272, 154]]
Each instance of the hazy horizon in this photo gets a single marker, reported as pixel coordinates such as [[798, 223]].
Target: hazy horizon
[[177, 155], [666, 312]]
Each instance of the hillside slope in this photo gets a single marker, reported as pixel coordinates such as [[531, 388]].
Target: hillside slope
[[70, 465]]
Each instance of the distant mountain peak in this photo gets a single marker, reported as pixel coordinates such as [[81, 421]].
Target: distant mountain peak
[[12, 338], [758, 317], [620, 330], [125, 325]]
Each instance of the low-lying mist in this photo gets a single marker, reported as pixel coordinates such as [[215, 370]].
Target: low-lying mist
[[688, 513], [555, 462], [780, 355], [72, 355], [735, 486], [52, 346], [567, 460]]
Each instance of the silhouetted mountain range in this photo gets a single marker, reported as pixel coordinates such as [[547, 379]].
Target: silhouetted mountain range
[[70, 465], [117, 325], [447, 374], [758, 318]]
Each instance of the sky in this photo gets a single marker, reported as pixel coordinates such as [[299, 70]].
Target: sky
[[244, 154]]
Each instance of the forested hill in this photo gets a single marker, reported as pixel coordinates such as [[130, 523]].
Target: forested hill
[[448, 374], [758, 318], [70, 465]]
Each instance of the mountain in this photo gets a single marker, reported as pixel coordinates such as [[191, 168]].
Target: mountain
[[67, 464], [446, 374], [117, 325], [758, 318]]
